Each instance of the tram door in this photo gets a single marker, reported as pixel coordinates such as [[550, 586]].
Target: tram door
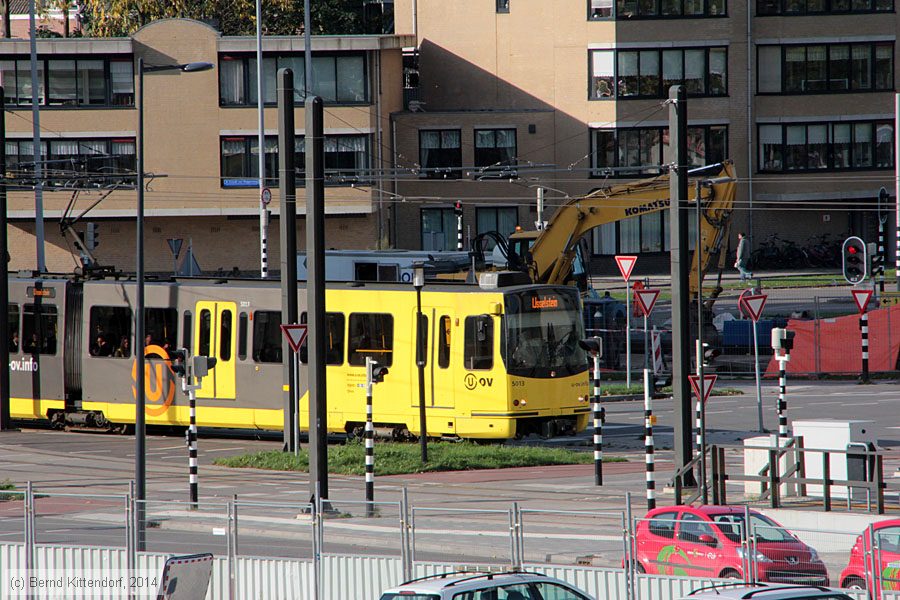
[[438, 372], [215, 332]]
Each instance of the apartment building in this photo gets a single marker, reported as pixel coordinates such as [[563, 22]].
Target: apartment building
[[571, 95], [201, 150]]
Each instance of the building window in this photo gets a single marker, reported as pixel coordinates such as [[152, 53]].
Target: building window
[[821, 7], [649, 73], [73, 163], [438, 229], [655, 9], [346, 160], [71, 82], [502, 219], [826, 146], [495, 152], [628, 152], [825, 68], [337, 79], [502, 6], [440, 153]]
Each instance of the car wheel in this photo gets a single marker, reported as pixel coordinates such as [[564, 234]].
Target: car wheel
[[731, 574], [854, 583]]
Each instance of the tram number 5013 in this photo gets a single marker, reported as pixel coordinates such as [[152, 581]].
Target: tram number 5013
[[471, 381]]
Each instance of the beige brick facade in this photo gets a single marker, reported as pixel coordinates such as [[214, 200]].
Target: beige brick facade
[[184, 123], [479, 65]]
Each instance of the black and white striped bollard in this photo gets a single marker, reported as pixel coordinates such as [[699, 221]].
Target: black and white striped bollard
[[594, 346], [864, 340], [374, 374], [648, 442], [459, 227]]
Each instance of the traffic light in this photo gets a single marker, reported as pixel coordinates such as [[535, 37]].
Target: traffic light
[[178, 361], [782, 339], [457, 209], [593, 345], [202, 365], [855, 260], [91, 236], [378, 373]]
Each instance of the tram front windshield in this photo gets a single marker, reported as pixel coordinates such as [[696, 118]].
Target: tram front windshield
[[542, 330]]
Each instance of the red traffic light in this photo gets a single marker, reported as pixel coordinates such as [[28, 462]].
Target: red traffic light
[[852, 249]]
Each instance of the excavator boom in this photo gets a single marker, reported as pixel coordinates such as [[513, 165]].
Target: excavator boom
[[552, 250]]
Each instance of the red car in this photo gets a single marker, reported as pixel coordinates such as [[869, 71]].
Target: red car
[[886, 555], [705, 541]]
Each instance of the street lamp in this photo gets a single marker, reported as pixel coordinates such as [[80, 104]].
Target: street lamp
[[419, 283], [140, 428]]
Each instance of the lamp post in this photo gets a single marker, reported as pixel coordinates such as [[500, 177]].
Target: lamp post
[[419, 283], [140, 429]]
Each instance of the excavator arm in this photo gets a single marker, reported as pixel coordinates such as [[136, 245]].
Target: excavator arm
[[552, 250]]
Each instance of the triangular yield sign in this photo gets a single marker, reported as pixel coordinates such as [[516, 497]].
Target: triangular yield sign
[[646, 299], [175, 246], [626, 264], [753, 305], [708, 382], [295, 334], [861, 297]]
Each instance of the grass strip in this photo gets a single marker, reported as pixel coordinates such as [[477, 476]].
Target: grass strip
[[638, 390], [392, 458]]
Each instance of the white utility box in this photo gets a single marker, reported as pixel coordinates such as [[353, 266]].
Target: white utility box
[[826, 434], [756, 456]]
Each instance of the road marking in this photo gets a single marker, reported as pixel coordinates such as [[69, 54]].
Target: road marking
[[170, 448], [864, 404], [222, 449]]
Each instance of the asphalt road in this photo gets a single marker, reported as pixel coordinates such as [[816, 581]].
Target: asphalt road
[[84, 477]]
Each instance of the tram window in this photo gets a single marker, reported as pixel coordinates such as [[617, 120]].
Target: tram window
[[161, 327], [371, 334], [225, 335], [205, 333], [334, 344], [39, 335], [479, 342], [443, 334], [110, 331], [13, 320], [267, 336], [186, 330], [242, 336]]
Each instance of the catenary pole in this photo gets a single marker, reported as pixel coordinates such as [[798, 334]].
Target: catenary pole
[[288, 230], [5, 334], [677, 160], [36, 146], [897, 188], [315, 297]]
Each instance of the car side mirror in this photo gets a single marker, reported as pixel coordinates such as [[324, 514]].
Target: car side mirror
[[708, 540]]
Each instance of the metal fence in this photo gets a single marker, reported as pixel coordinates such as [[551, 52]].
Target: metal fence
[[333, 550]]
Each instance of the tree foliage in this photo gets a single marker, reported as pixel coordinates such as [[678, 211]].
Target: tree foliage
[[121, 18]]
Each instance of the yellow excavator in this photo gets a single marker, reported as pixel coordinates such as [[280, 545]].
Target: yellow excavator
[[548, 255]]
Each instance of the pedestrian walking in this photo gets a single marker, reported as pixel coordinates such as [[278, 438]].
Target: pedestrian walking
[[742, 257]]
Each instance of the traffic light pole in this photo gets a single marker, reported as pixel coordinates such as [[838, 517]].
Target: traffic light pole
[[370, 442], [193, 466]]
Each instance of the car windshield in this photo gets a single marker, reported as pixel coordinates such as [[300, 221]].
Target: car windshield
[[764, 529]]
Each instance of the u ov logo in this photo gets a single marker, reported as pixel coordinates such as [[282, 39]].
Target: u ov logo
[[470, 381], [157, 393]]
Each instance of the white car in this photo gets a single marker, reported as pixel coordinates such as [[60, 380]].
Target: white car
[[764, 591], [513, 585]]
